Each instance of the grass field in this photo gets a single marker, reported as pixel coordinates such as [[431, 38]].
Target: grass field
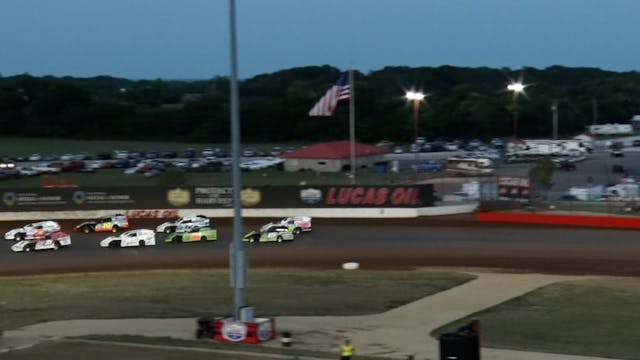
[[127, 347], [598, 317], [197, 293], [592, 317]]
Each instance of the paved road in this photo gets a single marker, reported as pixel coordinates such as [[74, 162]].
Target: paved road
[[375, 244], [596, 169]]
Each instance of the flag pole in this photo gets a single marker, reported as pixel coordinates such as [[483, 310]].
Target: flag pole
[[352, 128]]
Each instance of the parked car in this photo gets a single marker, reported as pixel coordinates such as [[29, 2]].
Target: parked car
[[207, 152], [83, 155], [103, 155], [111, 223], [152, 155], [37, 230], [138, 237], [191, 233], [497, 143], [45, 169], [9, 169], [567, 165], [248, 152], [171, 226], [53, 241], [297, 224], [27, 171], [67, 157], [618, 169], [270, 233], [189, 153], [136, 155], [169, 154]]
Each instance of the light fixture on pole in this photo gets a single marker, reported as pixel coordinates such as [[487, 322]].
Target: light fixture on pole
[[416, 97], [516, 88]]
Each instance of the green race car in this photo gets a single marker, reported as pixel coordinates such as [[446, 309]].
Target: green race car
[[191, 234], [270, 233]]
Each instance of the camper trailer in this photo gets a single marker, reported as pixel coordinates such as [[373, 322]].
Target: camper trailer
[[469, 166]]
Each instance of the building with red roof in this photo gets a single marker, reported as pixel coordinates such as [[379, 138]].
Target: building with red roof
[[333, 156]]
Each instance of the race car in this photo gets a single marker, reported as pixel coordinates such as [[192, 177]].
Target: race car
[[111, 223], [53, 241], [297, 224], [270, 233], [138, 237], [37, 230], [171, 226], [192, 233]]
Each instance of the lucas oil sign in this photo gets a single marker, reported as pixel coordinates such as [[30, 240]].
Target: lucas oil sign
[[368, 196]]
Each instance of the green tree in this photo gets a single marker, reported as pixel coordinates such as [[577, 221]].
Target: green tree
[[541, 174]]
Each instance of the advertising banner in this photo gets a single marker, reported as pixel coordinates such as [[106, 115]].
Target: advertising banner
[[514, 188], [216, 197]]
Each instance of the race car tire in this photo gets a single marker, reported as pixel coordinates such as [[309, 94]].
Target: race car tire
[[279, 239], [203, 238], [114, 228], [141, 243], [168, 230], [297, 231], [56, 245], [114, 244], [86, 229], [27, 248], [19, 236]]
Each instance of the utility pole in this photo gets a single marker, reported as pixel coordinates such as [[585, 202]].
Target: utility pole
[[554, 111]]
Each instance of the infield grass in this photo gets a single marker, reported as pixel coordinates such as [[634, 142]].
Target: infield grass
[[599, 317], [221, 347], [173, 294]]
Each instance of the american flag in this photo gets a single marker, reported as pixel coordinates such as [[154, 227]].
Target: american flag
[[327, 104]]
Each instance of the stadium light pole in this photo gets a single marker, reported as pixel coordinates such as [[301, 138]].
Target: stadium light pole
[[237, 264], [516, 88], [416, 97]]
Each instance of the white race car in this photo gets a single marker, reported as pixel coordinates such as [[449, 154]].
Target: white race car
[[297, 224], [53, 241], [38, 230], [171, 226], [139, 237]]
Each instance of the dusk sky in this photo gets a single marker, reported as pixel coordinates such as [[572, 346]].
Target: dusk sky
[[189, 39]]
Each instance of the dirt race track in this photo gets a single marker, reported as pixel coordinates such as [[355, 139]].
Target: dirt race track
[[448, 241]]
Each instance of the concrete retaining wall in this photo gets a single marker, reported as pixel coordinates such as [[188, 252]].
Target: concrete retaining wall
[[257, 213], [620, 222]]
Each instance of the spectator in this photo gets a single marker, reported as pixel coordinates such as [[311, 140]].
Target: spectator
[[346, 350]]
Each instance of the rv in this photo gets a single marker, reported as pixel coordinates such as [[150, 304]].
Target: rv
[[469, 166], [611, 129], [545, 147]]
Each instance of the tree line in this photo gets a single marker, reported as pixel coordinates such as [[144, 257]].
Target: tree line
[[461, 103]]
